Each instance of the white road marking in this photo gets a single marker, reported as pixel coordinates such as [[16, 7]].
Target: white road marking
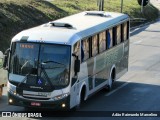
[[110, 93], [134, 30]]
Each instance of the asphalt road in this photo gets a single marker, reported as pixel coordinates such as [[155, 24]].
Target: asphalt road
[[138, 90]]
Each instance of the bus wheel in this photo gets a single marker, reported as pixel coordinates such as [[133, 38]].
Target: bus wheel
[[111, 80], [109, 87], [83, 92], [81, 99]]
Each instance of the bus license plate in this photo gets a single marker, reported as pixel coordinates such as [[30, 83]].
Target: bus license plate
[[35, 104]]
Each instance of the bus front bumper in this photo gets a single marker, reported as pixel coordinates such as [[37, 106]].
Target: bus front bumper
[[25, 102]]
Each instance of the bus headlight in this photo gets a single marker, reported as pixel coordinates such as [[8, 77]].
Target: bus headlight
[[12, 89], [59, 97]]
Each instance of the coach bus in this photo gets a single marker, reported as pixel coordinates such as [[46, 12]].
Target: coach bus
[[61, 63]]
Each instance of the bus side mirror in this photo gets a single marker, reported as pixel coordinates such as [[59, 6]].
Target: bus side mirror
[[1, 59], [76, 64], [5, 60]]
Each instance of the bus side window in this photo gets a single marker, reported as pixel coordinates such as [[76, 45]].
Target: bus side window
[[128, 30], [110, 38], [76, 49], [102, 41], [114, 36], [84, 49], [118, 34], [125, 31], [94, 45]]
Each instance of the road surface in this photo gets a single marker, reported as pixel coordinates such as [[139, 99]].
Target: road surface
[[138, 90]]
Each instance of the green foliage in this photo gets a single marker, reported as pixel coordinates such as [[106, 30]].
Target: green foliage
[[130, 7], [17, 15]]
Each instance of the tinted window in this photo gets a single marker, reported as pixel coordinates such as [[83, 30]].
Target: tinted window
[[125, 31], [94, 45], [110, 38], [118, 34], [85, 49], [76, 49], [102, 41], [24, 58]]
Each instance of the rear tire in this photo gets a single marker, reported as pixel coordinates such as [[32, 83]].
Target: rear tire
[[111, 80], [109, 87]]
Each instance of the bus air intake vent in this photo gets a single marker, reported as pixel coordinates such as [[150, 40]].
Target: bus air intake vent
[[59, 24], [97, 13]]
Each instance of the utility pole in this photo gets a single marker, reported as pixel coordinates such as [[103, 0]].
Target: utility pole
[[100, 4], [121, 6], [142, 6]]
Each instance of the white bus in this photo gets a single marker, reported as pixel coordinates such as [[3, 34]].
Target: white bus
[[61, 63]]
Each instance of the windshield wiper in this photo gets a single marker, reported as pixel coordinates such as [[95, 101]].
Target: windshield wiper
[[46, 75], [25, 78], [43, 63]]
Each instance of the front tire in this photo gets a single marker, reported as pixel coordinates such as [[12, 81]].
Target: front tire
[[81, 99]]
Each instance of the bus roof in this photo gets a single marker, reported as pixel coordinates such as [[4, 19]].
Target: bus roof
[[70, 29]]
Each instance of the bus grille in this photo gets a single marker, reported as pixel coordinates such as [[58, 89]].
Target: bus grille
[[36, 98]]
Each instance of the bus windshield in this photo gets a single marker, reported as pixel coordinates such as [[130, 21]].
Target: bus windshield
[[49, 63]]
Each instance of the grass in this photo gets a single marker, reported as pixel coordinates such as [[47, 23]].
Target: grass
[[130, 7], [17, 15]]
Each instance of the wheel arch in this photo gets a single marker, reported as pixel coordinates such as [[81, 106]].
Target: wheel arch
[[113, 72], [83, 89]]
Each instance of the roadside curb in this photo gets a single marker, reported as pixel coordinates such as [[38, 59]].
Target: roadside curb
[[145, 24], [148, 23], [136, 28]]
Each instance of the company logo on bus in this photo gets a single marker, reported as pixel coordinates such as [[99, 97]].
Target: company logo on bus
[[35, 87]]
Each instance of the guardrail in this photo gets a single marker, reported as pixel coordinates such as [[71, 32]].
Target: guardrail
[[138, 20]]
